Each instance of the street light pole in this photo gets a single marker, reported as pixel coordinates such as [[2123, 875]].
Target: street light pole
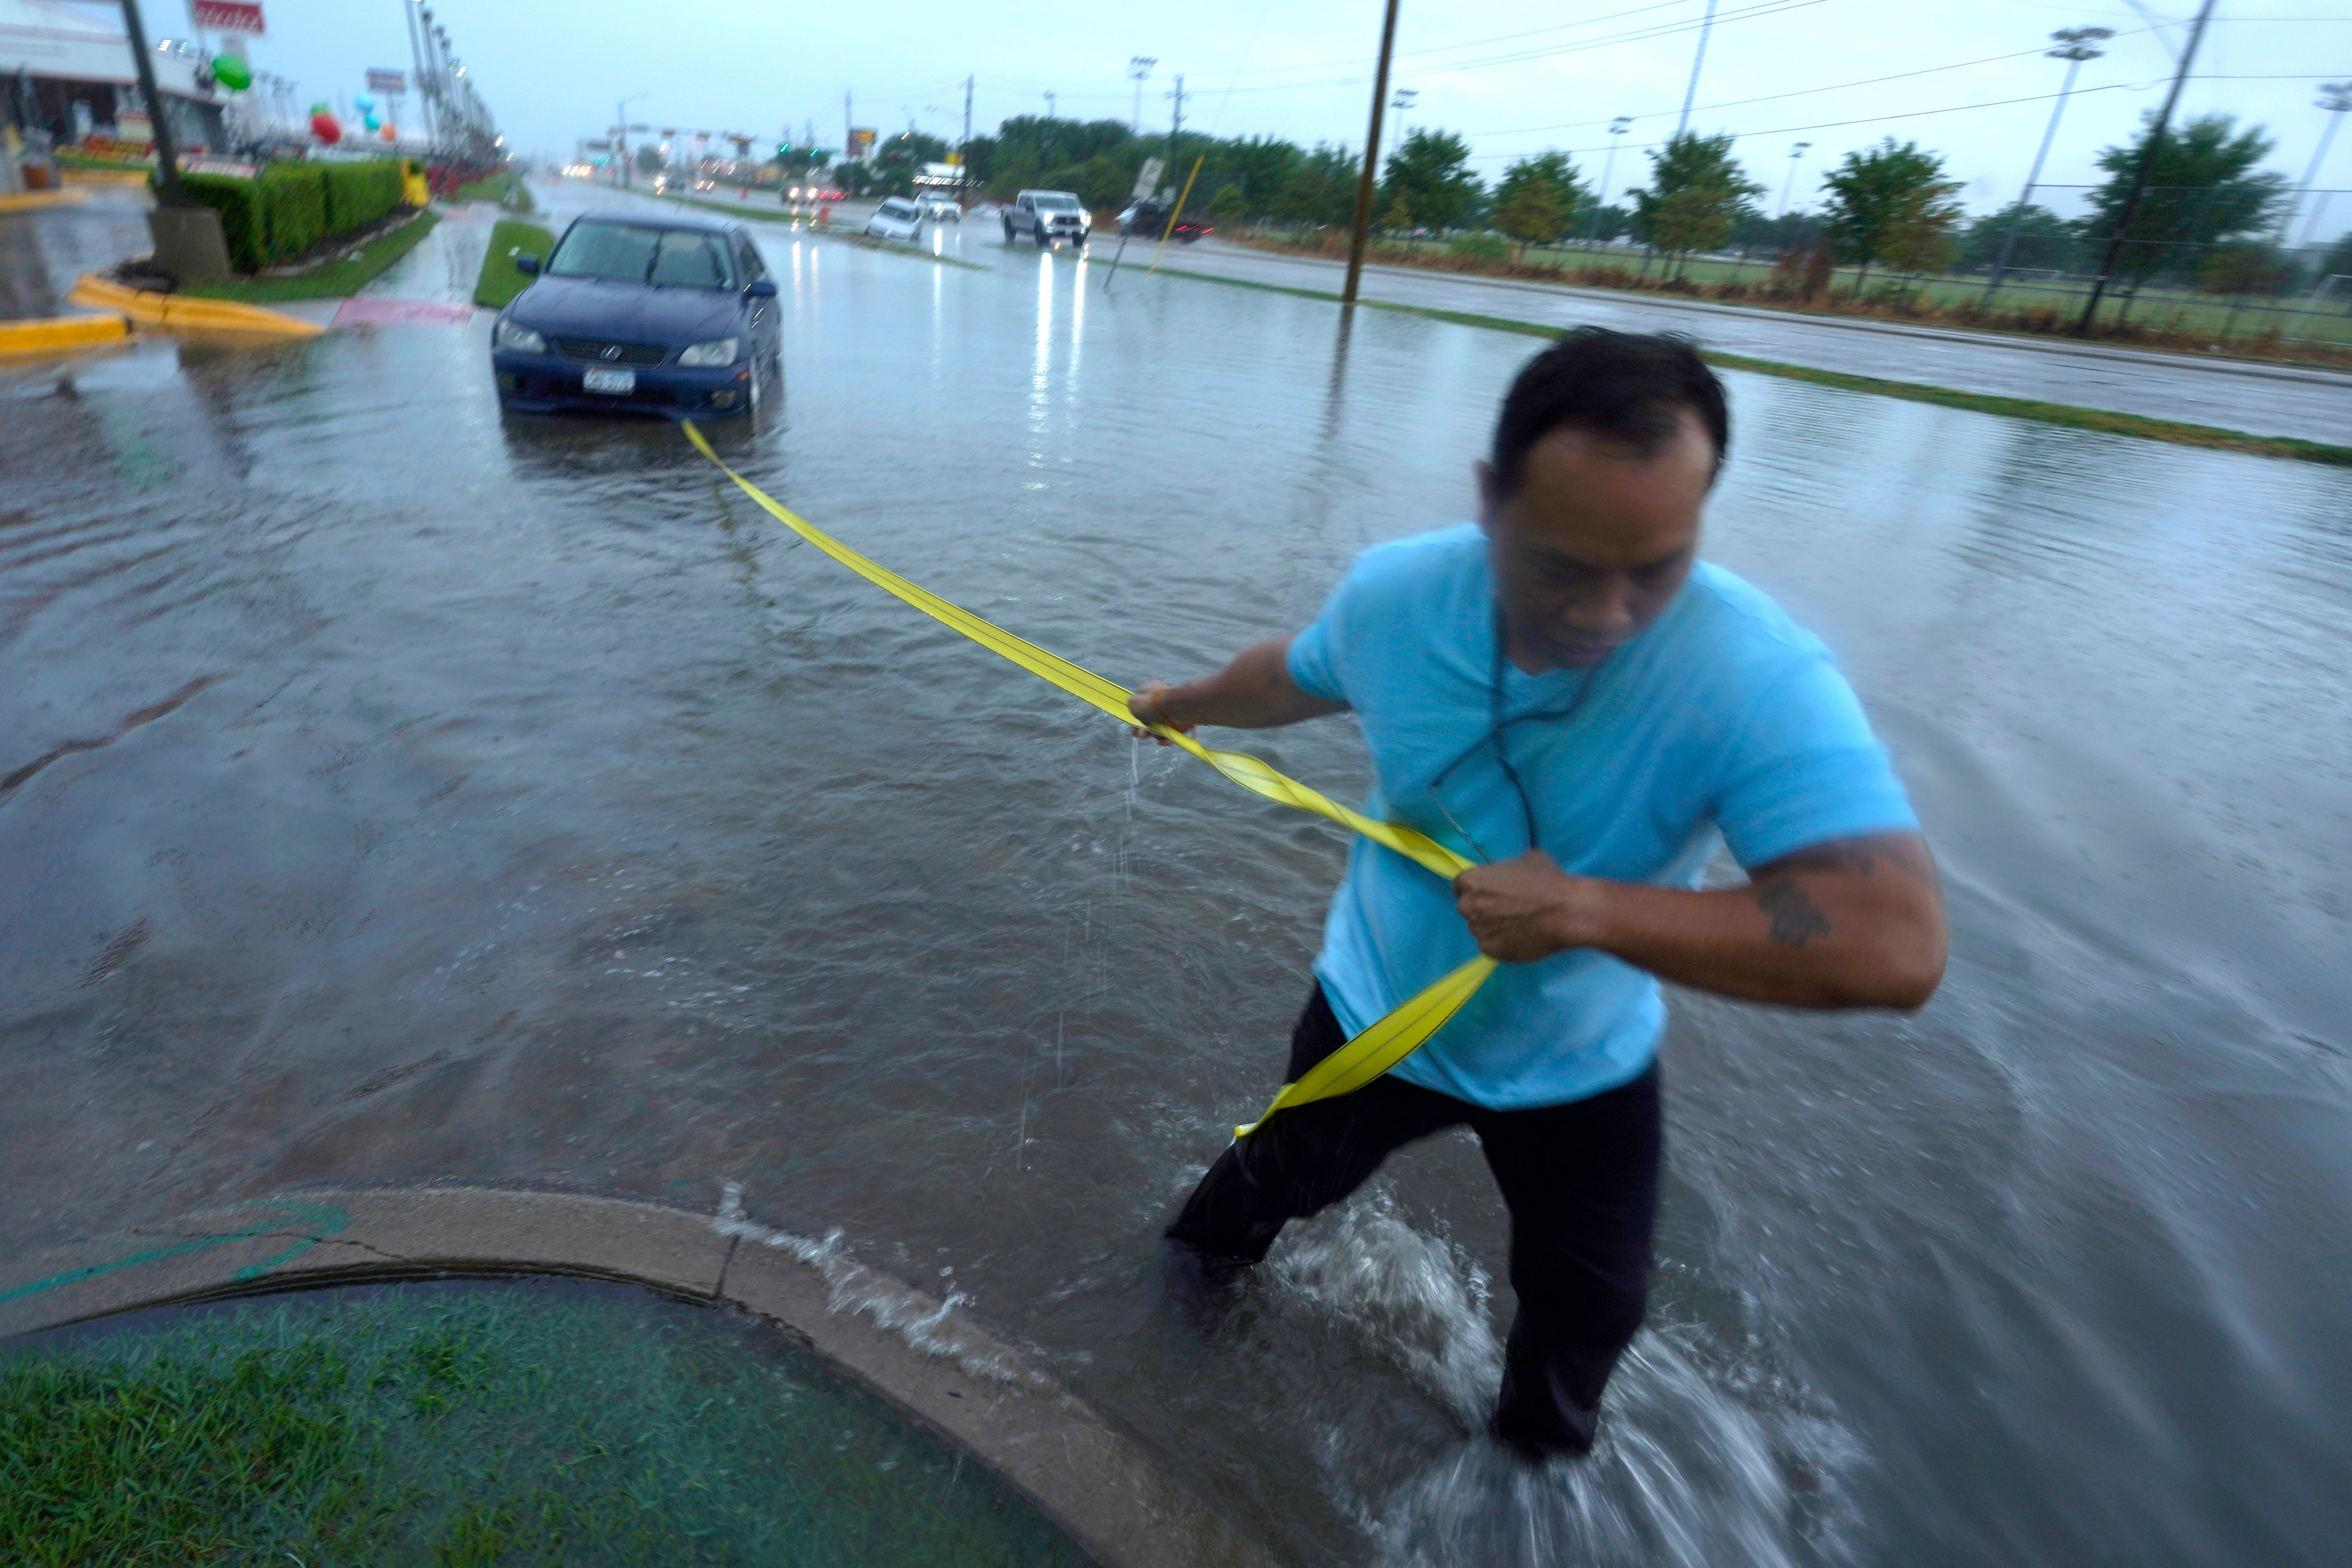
[[2073, 47], [1795, 152], [1617, 129], [1138, 70], [2146, 167], [1690, 94], [167, 153], [2335, 98], [1362, 231]]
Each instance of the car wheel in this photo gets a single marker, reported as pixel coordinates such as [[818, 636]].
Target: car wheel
[[1008, 234]]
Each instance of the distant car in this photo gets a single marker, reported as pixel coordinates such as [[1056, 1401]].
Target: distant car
[[945, 209], [1149, 220], [1048, 217], [671, 316], [899, 218]]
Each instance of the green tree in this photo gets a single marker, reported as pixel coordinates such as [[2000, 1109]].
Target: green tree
[[1320, 187], [1398, 219], [1532, 214], [2248, 266], [2202, 188], [1892, 203], [1696, 195], [1430, 175], [1229, 207], [2045, 242], [1537, 197], [1605, 222], [1261, 167], [896, 158], [1789, 231], [649, 160]]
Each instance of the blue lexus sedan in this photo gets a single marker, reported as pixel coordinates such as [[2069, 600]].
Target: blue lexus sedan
[[653, 315]]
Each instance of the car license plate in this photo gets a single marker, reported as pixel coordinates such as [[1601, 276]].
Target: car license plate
[[622, 382]]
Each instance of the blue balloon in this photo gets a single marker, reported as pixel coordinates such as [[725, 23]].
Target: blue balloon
[[363, 103]]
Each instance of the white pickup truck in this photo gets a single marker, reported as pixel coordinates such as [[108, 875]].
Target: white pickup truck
[[1048, 217]]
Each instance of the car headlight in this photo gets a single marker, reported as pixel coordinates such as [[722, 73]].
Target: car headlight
[[521, 338], [720, 353]]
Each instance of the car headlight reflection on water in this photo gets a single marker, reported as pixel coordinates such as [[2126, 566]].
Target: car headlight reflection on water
[[720, 353], [521, 338]]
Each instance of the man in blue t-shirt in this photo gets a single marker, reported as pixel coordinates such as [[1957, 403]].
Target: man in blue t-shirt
[[1566, 694]]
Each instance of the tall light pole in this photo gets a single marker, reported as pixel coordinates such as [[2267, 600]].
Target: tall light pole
[[2336, 97], [2073, 47], [2147, 166], [1795, 152], [1138, 69], [1363, 227], [1697, 59], [1617, 129], [1051, 114]]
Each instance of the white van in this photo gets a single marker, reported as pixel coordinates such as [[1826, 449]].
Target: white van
[[899, 218]]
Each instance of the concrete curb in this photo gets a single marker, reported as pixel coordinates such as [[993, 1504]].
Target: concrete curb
[[60, 334], [915, 1350], [2309, 375], [174, 313], [35, 201]]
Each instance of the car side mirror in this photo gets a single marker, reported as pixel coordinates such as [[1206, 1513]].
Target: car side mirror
[[526, 265], [760, 289]]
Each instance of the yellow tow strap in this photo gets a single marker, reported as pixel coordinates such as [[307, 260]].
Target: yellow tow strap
[[1361, 1059]]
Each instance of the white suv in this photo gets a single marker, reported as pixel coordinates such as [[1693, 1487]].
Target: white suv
[[939, 208], [1047, 216]]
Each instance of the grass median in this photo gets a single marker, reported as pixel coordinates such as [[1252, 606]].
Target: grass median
[[499, 282], [346, 274], [517, 1421], [2100, 419]]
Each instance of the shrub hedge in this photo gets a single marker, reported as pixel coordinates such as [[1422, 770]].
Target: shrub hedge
[[292, 206]]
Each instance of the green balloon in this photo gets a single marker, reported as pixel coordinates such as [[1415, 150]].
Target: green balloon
[[322, 107], [232, 73]]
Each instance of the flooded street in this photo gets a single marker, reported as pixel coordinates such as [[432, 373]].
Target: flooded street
[[389, 790]]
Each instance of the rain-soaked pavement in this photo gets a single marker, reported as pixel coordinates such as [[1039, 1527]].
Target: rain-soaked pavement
[[388, 791]]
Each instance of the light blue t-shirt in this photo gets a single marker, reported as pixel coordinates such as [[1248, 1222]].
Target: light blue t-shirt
[[1722, 715]]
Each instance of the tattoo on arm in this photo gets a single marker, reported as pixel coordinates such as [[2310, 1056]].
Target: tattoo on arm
[[1796, 919]]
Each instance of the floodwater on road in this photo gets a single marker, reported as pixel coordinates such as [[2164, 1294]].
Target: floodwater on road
[[390, 791]]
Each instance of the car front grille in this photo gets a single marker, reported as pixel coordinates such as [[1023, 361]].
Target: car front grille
[[591, 351]]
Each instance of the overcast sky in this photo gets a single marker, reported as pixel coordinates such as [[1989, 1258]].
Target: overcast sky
[[1513, 79]]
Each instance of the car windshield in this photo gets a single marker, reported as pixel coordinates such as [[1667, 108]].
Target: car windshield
[[626, 253], [1055, 204]]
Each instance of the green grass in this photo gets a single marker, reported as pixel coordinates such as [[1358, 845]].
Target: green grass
[[500, 283], [510, 191], [2076, 418], [2158, 305], [517, 1423], [332, 281]]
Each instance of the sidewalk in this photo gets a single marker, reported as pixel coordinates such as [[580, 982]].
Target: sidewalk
[[2259, 399]]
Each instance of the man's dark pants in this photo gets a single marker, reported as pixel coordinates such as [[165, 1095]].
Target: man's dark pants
[[1581, 1181]]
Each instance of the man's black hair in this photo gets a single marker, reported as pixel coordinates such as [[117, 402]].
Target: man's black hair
[[1628, 386]]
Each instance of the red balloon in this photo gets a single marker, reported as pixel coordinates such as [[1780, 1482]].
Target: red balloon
[[326, 128]]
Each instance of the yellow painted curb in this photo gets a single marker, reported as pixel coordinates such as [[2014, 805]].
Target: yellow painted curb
[[60, 334], [33, 201], [106, 176], [150, 308]]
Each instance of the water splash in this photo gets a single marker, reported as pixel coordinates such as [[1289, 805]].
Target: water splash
[[1684, 1475], [929, 1324]]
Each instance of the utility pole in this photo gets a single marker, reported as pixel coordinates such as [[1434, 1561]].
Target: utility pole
[[1690, 94], [416, 59], [2073, 47], [2336, 97], [1138, 70], [848, 122], [1362, 232], [620, 135], [963, 169], [1617, 129], [2146, 167], [1051, 112], [1795, 152]]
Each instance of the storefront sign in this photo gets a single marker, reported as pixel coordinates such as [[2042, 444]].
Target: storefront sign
[[227, 17]]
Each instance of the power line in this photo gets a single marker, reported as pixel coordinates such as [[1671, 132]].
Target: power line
[[1800, 93]]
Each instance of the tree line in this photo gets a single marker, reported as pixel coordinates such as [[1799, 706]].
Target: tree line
[[2207, 220]]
